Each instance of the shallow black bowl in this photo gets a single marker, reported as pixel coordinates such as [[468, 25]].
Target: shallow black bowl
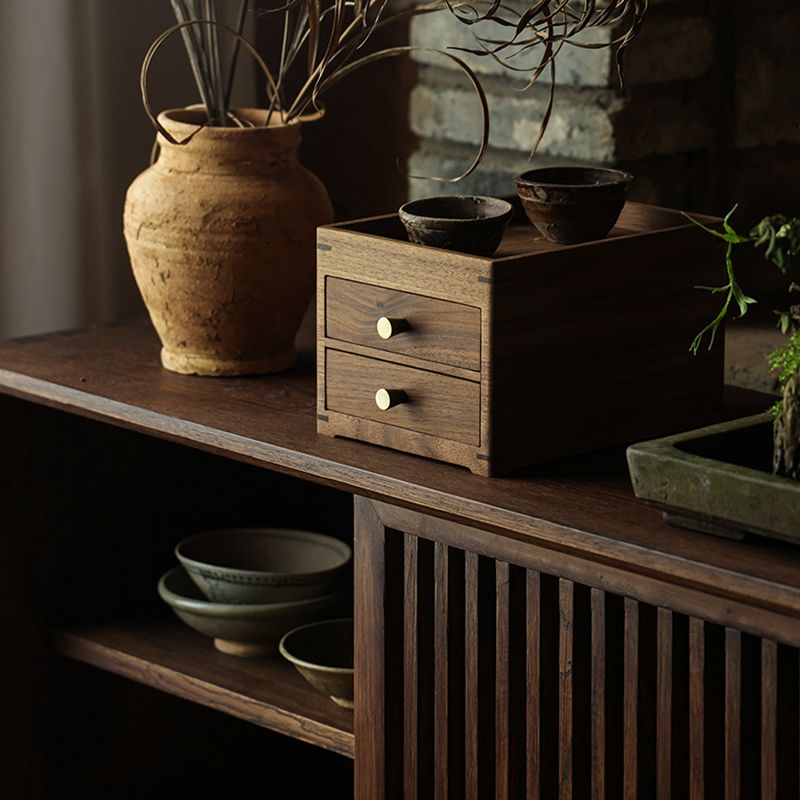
[[469, 224], [573, 204]]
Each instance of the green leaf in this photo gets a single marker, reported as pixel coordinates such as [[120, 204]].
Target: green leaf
[[714, 289]]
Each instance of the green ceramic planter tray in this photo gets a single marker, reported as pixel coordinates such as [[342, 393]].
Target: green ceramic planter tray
[[719, 480]]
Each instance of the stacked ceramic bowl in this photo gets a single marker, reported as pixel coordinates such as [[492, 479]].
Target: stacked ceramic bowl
[[245, 588]]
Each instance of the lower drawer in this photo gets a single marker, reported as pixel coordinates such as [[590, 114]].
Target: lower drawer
[[438, 405]]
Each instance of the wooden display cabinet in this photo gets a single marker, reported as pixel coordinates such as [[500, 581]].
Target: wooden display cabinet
[[541, 637]]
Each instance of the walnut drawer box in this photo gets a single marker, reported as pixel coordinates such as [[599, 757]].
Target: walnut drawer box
[[538, 352]]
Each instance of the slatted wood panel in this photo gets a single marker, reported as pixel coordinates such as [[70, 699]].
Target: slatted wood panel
[[514, 683]]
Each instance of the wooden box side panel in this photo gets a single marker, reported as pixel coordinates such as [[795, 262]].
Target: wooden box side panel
[[591, 349]]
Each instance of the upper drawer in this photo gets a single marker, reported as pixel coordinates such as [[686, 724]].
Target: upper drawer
[[434, 330]]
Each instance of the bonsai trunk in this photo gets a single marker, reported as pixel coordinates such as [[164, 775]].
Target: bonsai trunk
[[786, 458]]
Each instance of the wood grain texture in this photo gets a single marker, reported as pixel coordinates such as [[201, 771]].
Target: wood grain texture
[[595, 694], [565, 689], [598, 627], [510, 669], [438, 405], [479, 678], [533, 652], [167, 656], [631, 702], [418, 734], [733, 714], [449, 673], [524, 293], [378, 612], [669, 590], [769, 715], [536, 531], [664, 702], [581, 506], [503, 709], [697, 699], [669, 389], [439, 331]]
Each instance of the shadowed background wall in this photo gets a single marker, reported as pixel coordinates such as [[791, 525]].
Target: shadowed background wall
[[709, 117]]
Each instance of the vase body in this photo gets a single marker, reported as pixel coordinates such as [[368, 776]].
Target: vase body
[[221, 236]]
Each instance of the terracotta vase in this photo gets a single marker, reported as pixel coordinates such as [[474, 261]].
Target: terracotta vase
[[221, 237]]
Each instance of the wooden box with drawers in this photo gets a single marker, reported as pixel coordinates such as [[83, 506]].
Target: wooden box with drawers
[[538, 352]]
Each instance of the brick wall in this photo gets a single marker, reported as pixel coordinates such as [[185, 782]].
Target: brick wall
[[709, 116]]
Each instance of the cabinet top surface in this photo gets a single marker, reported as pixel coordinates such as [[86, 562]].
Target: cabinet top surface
[[583, 505]]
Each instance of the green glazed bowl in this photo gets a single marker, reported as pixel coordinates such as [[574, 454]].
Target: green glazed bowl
[[322, 652], [248, 630], [263, 565]]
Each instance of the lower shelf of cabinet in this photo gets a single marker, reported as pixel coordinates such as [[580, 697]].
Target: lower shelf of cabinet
[[167, 656]]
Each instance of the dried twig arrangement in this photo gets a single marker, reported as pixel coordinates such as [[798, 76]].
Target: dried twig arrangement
[[205, 56], [550, 25], [327, 39]]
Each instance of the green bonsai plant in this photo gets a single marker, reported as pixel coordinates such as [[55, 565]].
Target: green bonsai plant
[[780, 238]]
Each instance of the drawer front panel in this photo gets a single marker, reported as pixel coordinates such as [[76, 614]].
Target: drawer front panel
[[438, 405], [437, 330]]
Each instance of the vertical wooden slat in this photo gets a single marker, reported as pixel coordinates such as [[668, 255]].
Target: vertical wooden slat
[[418, 736], [510, 669], [769, 693], [411, 715], [733, 713], [378, 606], [448, 644], [370, 772], [440, 671], [664, 705], [696, 709], [533, 681], [502, 696], [472, 686], [631, 701], [598, 699], [565, 705], [479, 588]]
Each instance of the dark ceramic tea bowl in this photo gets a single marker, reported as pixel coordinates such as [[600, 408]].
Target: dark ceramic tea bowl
[[469, 224], [573, 204]]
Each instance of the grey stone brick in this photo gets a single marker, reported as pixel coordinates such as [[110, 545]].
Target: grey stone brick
[[668, 48], [591, 124], [494, 176], [581, 126], [576, 66]]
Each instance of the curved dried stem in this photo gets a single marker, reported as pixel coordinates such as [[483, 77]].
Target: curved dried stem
[[154, 48], [399, 51]]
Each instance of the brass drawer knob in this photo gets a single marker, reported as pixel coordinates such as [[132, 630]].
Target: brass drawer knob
[[391, 326], [389, 398]]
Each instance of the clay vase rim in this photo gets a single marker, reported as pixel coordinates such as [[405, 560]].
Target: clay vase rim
[[188, 121]]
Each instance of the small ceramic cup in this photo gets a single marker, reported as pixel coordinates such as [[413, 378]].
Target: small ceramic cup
[[466, 223], [569, 205]]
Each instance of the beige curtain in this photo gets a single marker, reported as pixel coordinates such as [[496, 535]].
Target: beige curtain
[[73, 137]]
